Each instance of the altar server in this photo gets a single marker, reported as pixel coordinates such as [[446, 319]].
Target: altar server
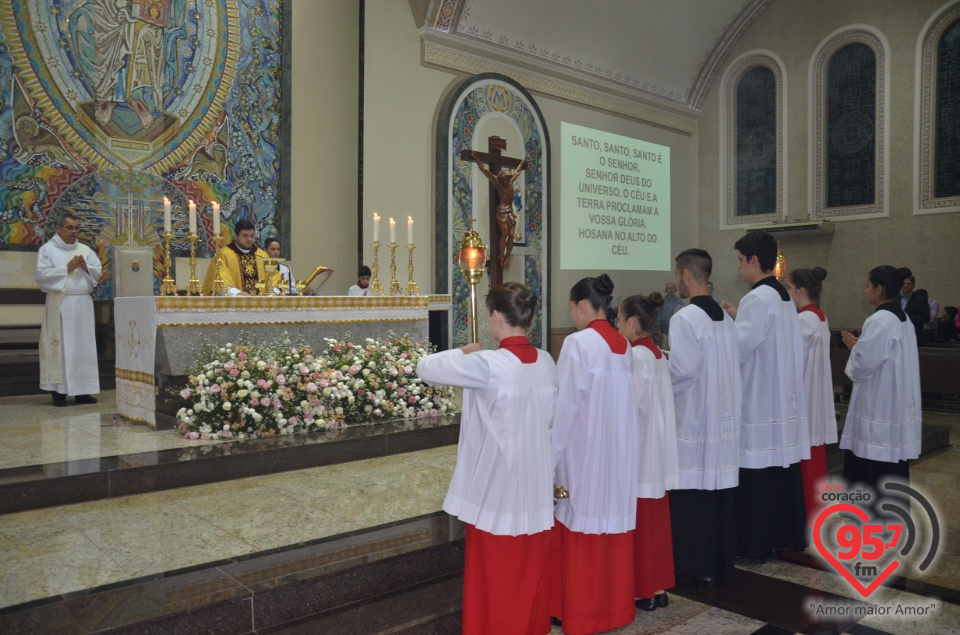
[[774, 433], [595, 441], [363, 282], [287, 285], [241, 264], [68, 272], [804, 286], [882, 430], [653, 543], [503, 480], [705, 370]]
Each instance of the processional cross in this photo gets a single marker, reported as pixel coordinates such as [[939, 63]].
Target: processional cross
[[502, 174]]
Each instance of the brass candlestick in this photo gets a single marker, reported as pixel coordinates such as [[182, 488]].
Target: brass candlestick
[[394, 283], [169, 285], [193, 285], [375, 288], [219, 286], [412, 288]]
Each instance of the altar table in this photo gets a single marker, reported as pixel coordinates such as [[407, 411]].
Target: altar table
[[157, 336]]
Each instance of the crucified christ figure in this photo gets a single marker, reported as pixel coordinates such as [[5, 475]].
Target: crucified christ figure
[[506, 218]]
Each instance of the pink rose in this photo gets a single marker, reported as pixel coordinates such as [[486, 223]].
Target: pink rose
[[402, 391], [324, 383], [242, 355], [265, 401], [304, 370], [234, 372], [421, 414], [215, 388], [194, 435], [411, 399], [281, 379], [185, 393], [311, 387]]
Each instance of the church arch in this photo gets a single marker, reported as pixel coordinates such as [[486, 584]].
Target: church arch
[[490, 98]]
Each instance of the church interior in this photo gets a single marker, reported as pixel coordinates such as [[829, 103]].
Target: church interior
[[322, 122]]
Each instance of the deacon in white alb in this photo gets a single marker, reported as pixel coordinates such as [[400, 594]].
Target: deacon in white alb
[[774, 432], [705, 368], [68, 272], [502, 485]]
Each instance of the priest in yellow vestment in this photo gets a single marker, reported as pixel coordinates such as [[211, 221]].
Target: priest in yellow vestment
[[241, 264]]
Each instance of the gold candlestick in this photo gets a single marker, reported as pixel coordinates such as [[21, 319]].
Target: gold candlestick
[[169, 285], [219, 286], [394, 283], [193, 285], [412, 288], [375, 288]]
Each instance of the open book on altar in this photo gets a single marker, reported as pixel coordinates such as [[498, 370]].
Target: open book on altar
[[316, 280]]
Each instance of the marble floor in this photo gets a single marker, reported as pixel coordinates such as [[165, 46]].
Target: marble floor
[[67, 549]]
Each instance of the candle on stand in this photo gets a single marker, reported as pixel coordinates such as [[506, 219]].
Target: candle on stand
[[216, 218], [167, 220], [393, 231], [376, 227], [193, 217], [409, 230]]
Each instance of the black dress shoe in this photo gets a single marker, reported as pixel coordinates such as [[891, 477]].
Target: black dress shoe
[[556, 621], [686, 579], [760, 560], [82, 400], [662, 600], [59, 400], [646, 604]]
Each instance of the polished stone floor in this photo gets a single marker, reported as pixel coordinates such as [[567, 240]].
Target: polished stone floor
[[71, 548]]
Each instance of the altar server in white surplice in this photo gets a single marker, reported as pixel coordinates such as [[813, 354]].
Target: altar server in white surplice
[[68, 272], [882, 430], [774, 432], [705, 369], [595, 446], [653, 544], [503, 481], [804, 286]]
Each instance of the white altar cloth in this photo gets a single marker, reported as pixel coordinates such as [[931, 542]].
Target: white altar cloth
[[161, 335]]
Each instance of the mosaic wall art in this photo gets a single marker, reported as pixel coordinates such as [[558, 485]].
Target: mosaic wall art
[[107, 106]]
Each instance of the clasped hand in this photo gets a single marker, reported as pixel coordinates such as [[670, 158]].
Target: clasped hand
[[77, 261]]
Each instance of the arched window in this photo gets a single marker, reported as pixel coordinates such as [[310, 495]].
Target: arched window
[[939, 113], [849, 149], [753, 141]]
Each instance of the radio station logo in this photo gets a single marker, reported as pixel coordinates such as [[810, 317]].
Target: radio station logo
[[870, 550]]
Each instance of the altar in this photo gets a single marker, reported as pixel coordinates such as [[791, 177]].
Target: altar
[[158, 337]]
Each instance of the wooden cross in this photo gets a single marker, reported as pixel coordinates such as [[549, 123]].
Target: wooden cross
[[495, 161]]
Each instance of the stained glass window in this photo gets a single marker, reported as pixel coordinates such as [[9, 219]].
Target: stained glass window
[[947, 162], [756, 142], [851, 144]]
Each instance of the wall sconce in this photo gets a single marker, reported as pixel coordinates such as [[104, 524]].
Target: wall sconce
[[472, 259]]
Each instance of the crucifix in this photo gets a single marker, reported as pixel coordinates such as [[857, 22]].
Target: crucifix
[[502, 173]]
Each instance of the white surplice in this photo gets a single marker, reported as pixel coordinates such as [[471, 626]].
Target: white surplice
[[68, 362], [503, 479], [595, 436], [659, 469], [705, 369], [774, 430], [883, 420], [817, 378]]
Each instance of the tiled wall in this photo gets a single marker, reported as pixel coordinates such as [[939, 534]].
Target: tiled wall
[[16, 270]]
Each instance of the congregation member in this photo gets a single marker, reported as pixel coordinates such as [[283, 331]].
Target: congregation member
[[286, 284], [363, 282], [241, 263], [804, 287], [68, 272], [913, 303], [705, 372], [595, 448], [503, 479], [882, 429], [774, 433], [671, 304], [653, 543]]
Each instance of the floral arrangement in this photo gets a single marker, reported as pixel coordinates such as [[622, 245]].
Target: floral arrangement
[[248, 390]]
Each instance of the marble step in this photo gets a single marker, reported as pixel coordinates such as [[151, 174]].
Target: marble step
[[72, 481]]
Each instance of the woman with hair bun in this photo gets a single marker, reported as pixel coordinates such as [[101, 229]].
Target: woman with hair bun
[[882, 429], [503, 480], [595, 440], [804, 286], [659, 463]]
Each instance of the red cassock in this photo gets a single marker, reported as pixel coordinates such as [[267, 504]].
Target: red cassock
[[653, 547]]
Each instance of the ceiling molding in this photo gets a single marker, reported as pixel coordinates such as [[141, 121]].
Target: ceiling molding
[[467, 56]]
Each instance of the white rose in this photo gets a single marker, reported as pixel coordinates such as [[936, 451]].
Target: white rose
[[223, 350], [257, 417], [304, 404], [366, 372], [209, 374], [245, 375], [339, 410], [261, 365], [227, 405], [351, 399], [368, 409], [242, 393]]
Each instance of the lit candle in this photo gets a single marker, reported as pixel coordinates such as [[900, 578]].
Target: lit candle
[[409, 230], [376, 227], [193, 218], [393, 231], [216, 218], [472, 258], [167, 220]]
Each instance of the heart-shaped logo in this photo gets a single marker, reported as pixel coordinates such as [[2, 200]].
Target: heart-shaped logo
[[865, 591]]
